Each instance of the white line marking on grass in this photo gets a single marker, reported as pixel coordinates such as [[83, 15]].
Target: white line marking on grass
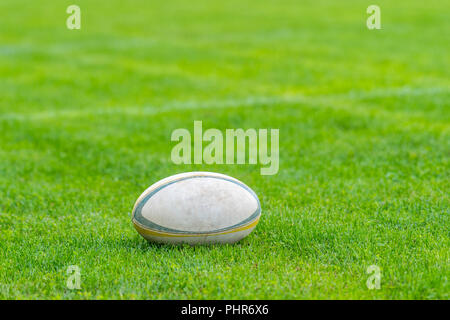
[[329, 100], [396, 92], [146, 110]]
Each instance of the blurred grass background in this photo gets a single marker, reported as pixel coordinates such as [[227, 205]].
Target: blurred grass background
[[85, 123]]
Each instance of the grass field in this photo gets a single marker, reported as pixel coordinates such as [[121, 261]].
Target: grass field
[[364, 118]]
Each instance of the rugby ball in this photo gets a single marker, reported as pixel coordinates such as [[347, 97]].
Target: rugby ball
[[196, 208]]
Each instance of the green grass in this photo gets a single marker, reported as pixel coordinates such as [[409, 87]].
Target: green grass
[[364, 118]]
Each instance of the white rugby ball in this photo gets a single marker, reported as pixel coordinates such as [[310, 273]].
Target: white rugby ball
[[196, 208]]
